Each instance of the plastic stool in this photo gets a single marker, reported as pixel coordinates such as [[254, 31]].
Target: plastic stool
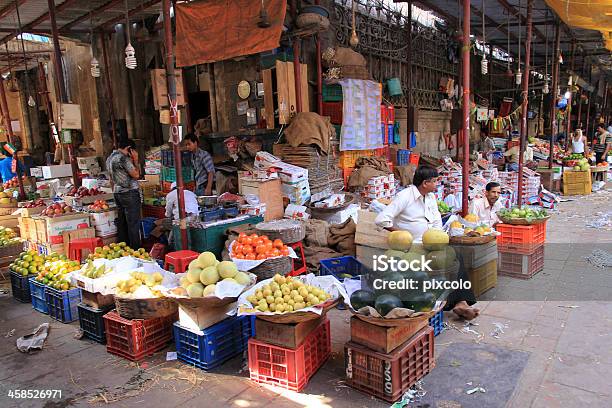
[[179, 260], [76, 247], [298, 265]]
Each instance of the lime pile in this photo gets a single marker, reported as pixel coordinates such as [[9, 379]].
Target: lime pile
[[286, 294], [115, 251]]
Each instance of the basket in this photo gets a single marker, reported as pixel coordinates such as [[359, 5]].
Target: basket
[[349, 199], [466, 240], [288, 231], [150, 308], [523, 221], [270, 267], [299, 317]]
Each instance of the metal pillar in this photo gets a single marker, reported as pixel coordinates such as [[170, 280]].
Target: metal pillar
[[555, 94], [11, 137], [109, 91], [409, 116], [319, 73], [174, 123], [465, 53], [525, 104], [45, 95], [568, 110], [59, 76]]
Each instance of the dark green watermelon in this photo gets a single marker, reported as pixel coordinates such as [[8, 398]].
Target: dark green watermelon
[[390, 277], [361, 298], [423, 302], [385, 303]]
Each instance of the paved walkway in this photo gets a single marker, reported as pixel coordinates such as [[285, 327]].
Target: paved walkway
[[568, 339]]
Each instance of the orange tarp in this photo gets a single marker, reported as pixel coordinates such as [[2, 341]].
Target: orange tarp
[[216, 30]]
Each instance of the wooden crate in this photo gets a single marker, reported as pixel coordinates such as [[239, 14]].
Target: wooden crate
[[484, 277], [279, 91], [269, 193], [383, 339], [285, 335]]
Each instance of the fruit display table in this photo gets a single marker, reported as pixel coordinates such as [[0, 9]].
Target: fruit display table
[[599, 172]]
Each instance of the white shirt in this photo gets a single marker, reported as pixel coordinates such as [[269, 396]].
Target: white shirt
[[482, 209], [410, 211], [191, 204]]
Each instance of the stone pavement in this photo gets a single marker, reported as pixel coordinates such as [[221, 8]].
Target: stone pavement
[[568, 339]]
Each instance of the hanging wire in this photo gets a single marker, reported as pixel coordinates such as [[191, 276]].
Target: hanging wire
[[508, 48], [130, 58]]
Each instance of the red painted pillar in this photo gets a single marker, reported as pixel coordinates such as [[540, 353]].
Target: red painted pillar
[[525, 105], [11, 137], [465, 68]]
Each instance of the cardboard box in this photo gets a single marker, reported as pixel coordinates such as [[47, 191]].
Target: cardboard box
[[79, 202], [368, 233], [47, 227], [269, 193], [297, 193], [36, 172], [103, 217], [97, 300], [88, 162], [365, 254], [60, 170], [383, 339], [111, 239], [289, 335], [70, 116], [289, 173], [152, 179], [199, 318]]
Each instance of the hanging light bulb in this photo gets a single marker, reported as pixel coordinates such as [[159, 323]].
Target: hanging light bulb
[[130, 57], [484, 65], [95, 68], [31, 102], [518, 78], [569, 81], [545, 89]]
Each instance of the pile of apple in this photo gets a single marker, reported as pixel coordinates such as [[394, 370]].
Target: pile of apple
[[36, 203], [12, 183], [56, 210], [98, 206], [84, 192]]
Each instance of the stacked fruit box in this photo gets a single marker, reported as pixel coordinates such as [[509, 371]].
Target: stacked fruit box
[[288, 355], [386, 361], [521, 249]]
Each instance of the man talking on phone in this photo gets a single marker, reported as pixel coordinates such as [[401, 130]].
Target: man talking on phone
[[123, 168]]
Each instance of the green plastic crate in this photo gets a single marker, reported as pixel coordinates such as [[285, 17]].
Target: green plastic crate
[[332, 93], [169, 174], [209, 239], [338, 130]]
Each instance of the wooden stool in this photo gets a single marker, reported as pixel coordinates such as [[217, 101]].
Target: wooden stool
[[179, 260], [76, 247], [299, 264]]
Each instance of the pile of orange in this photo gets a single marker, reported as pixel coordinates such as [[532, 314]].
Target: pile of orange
[[256, 247]]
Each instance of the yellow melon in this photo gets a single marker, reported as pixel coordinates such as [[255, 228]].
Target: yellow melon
[[435, 239], [471, 218], [400, 240]]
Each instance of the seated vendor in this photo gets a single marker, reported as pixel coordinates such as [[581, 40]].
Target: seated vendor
[[486, 208], [191, 203], [415, 209], [512, 157]]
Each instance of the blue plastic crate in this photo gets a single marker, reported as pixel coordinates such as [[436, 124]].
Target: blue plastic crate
[[343, 265], [37, 289], [167, 158], [148, 224], [211, 215], [216, 344], [63, 304], [403, 157], [231, 212], [437, 322], [40, 305]]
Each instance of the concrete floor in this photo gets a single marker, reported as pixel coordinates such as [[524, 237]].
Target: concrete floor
[[567, 331]]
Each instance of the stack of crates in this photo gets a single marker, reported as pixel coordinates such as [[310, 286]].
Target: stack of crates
[[387, 361], [480, 261], [168, 170], [91, 320], [521, 249], [288, 355], [62, 305], [37, 294], [210, 347]]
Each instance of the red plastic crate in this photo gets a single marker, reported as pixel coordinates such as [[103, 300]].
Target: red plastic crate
[[384, 114], [136, 339], [154, 211], [382, 152], [414, 158], [389, 376], [521, 266], [287, 368], [347, 158], [520, 239], [390, 115], [334, 111]]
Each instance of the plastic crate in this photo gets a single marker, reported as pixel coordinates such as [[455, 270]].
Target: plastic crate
[[484, 277], [383, 133], [40, 305], [91, 321], [231, 212], [212, 215], [63, 304], [215, 345], [169, 174], [332, 93], [148, 223], [389, 376], [521, 266], [349, 157], [136, 339], [153, 211], [334, 111], [37, 294], [336, 267], [166, 186], [382, 152], [338, 131], [167, 158], [287, 368], [437, 322], [414, 158], [20, 287], [403, 157], [520, 239]]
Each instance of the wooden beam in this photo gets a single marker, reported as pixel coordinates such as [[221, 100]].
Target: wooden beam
[[10, 8], [95, 12]]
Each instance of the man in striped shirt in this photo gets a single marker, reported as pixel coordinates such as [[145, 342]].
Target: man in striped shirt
[[602, 143], [202, 164]]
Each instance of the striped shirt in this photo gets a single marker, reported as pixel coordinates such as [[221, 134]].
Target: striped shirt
[[202, 164], [601, 141]]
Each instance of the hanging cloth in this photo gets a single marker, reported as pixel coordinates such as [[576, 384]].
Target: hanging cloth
[[216, 30], [413, 140], [361, 129]]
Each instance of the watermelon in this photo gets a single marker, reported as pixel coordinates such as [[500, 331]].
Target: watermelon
[[423, 302], [386, 303], [361, 298]]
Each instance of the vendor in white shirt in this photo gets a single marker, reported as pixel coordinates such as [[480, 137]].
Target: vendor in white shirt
[[191, 203], [486, 208], [415, 210]]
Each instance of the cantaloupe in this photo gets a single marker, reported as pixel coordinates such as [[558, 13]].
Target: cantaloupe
[[400, 240], [195, 290], [209, 290], [435, 239], [206, 259], [209, 275], [242, 278], [227, 269]]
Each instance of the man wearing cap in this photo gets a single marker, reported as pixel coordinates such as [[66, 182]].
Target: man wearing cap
[[191, 203]]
